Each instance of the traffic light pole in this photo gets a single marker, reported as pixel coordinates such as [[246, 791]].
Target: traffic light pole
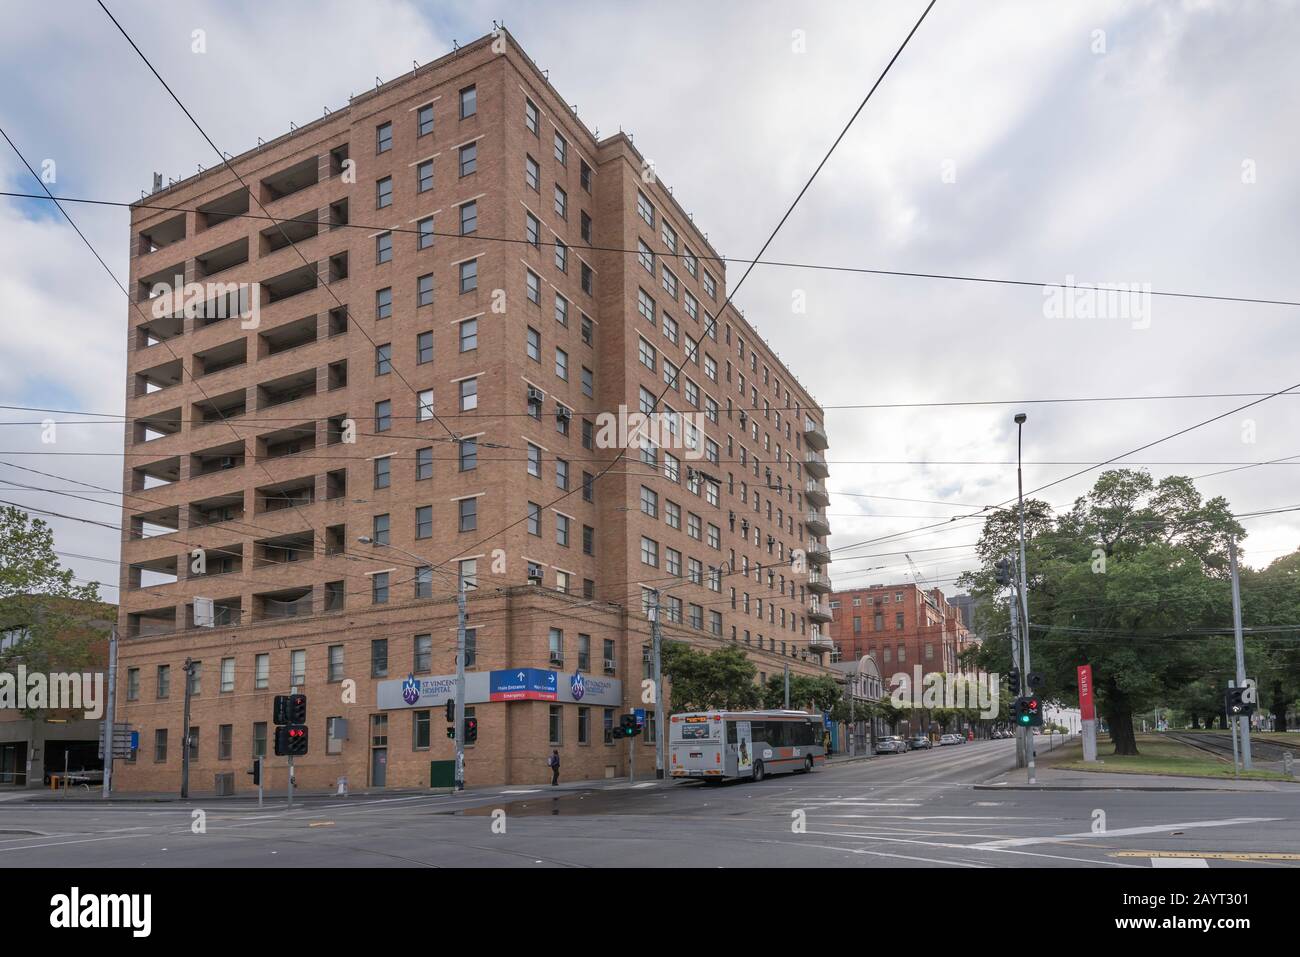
[[1241, 654], [460, 683], [656, 652], [111, 722], [188, 670]]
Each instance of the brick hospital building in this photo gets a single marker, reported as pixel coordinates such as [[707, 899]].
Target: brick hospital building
[[397, 384]]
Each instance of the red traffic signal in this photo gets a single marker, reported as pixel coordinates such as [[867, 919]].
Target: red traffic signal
[[291, 740]]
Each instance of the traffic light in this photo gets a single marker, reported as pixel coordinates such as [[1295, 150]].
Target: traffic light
[[1028, 711], [1002, 571], [289, 709], [471, 730], [256, 771], [628, 727], [1234, 702], [280, 710], [451, 731], [451, 712], [291, 740], [1013, 682]]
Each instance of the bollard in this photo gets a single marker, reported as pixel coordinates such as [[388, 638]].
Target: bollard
[[1288, 764]]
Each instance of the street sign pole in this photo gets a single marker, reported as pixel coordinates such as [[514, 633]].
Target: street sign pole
[[111, 720], [460, 682], [656, 645], [1241, 654]]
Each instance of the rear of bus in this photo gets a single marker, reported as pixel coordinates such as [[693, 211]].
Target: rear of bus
[[697, 745]]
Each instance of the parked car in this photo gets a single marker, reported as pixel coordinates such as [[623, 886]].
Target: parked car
[[950, 739], [920, 742], [890, 745]]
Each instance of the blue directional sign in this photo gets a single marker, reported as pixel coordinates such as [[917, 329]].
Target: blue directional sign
[[522, 684]]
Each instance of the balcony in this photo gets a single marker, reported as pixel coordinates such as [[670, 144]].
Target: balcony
[[285, 603], [819, 613], [815, 464], [816, 493], [814, 435], [819, 582], [818, 554], [817, 523], [820, 642]]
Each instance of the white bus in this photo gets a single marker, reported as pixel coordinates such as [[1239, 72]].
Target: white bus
[[722, 745]]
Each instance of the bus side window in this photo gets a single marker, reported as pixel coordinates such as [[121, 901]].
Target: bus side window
[[731, 732]]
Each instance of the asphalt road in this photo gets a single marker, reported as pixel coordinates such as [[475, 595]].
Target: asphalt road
[[920, 809]]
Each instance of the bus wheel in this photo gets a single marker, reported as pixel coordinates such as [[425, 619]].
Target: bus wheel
[[758, 770], [807, 765]]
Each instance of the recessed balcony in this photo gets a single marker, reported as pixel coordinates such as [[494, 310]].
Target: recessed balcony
[[816, 493], [814, 463], [819, 581], [817, 523], [818, 554]]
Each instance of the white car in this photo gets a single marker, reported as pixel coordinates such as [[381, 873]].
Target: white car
[[949, 739]]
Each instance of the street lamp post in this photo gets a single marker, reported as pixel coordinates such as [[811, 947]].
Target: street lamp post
[[460, 658], [1024, 589]]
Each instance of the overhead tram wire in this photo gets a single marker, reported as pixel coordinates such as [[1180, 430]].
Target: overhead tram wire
[[781, 264]]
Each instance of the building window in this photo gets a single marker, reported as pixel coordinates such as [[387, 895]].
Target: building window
[[556, 646], [262, 672], [384, 248], [534, 460], [468, 335], [562, 364], [379, 588], [383, 137], [468, 512], [335, 658], [530, 116], [384, 192], [379, 529], [424, 290], [424, 176], [225, 741], [468, 395], [384, 359], [468, 102], [133, 684], [649, 552], [561, 202], [227, 675], [424, 120], [383, 415], [469, 276], [259, 739], [425, 237], [532, 173], [160, 745], [534, 288], [469, 218], [419, 730], [423, 654], [424, 348], [644, 209], [468, 158], [584, 725], [468, 454], [555, 725], [561, 150], [424, 581], [384, 302], [379, 658], [383, 472]]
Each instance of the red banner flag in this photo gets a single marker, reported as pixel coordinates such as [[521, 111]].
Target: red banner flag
[[1086, 710]]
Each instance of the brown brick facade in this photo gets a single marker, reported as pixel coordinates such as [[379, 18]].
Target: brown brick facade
[[304, 457]]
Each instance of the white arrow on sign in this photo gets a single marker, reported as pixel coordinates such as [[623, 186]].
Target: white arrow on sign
[[520, 676]]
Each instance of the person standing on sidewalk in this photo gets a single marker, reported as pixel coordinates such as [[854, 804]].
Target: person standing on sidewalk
[[553, 762]]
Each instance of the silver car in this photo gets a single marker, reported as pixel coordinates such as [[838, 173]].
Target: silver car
[[890, 745]]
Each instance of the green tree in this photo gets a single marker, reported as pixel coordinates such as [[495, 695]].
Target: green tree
[[1119, 582], [722, 679], [819, 693], [40, 602]]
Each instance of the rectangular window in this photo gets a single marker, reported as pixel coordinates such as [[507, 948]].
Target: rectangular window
[[534, 283], [383, 471], [424, 176], [534, 460], [425, 238], [379, 588], [419, 730], [530, 116], [262, 672], [532, 174], [424, 521], [424, 406], [379, 658], [468, 335], [423, 663], [227, 675], [468, 454], [468, 158], [468, 513], [562, 523], [555, 725], [562, 364], [383, 137], [424, 120], [468, 102], [468, 395], [384, 302], [561, 150], [424, 348], [335, 659], [160, 745], [384, 192], [469, 276], [384, 248], [469, 218]]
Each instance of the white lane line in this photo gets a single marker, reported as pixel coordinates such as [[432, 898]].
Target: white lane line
[[1179, 862], [1122, 832], [972, 847], [522, 791]]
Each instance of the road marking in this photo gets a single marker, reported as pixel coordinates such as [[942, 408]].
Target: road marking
[[1213, 855], [1179, 862], [522, 791], [1122, 832], [321, 824]]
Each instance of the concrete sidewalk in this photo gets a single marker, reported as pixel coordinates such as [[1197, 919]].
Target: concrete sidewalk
[[1051, 779]]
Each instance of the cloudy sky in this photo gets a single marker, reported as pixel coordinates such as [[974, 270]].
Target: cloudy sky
[[1147, 143]]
